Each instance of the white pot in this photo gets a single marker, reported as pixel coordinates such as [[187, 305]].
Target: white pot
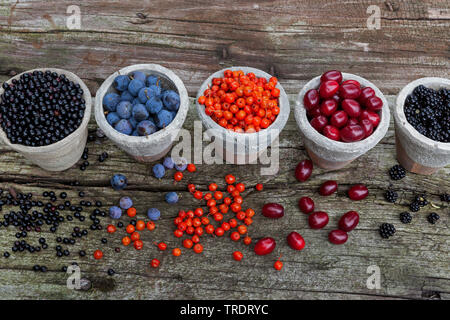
[[155, 146], [331, 154], [416, 152], [243, 148], [65, 153]]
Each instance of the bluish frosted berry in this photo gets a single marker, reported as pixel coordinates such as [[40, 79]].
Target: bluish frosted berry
[[146, 128], [110, 101], [158, 171], [112, 118], [115, 212], [181, 164], [147, 93], [124, 109], [163, 119], [171, 100], [139, 75], [151, 80], [139, 112], [154, 105], [134, 86], [153, 214], [133, 122], [124, 126], [168, 163], [171, 197], [126, 96], [121, 82], [119, 182], [125, 203]]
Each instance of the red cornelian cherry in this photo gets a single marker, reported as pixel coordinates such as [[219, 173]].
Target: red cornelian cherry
[[374, 104], [306, 205], [311, 99], [331, 133], [265, 246], [296, 241], [349, 91], [304, 170], [318, 220], [351, 107], [358, 192], [339, 119], [328, 188], [328, 107], [328, 89], [338, 237], [352, 133], [334, 75], [349, 221], [319, 122], [273, 210], [366, 93], [371, 116], [367, 127]]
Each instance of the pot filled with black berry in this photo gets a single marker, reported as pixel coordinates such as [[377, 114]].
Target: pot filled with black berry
[[422, 125], [44, 115]]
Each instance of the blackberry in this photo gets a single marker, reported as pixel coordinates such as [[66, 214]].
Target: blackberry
[[405, 217], [387, 230], [397, 172], [414, 206], [421, 200], [391, 196], [433, 217], [445, 197], [427, 110]]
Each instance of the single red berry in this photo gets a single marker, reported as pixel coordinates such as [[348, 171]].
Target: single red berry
[[98, 254], [259, 187], [237, 255], [155, 263]]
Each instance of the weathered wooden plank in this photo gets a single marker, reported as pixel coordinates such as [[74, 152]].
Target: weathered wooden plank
[[413, 263]]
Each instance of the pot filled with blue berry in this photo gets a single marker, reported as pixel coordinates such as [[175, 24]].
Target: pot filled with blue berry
[[44, 115], [422, 125], [142, 109]]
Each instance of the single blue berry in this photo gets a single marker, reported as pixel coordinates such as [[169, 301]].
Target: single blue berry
[[135, 86], [124, 126], [119, 182], [133, 122], [126, 96], [126, 203], [181, 164], [112, 118], [171, 197], [147, 93], [146, 128], [121, 82], [110, 101], [124, 109], [139, 112], [115, 212], [163, 118], [171, 100], [158, 171], [151, 80], [139, 75], [168, 163], [135, 133], [154, 105], [153, 214]]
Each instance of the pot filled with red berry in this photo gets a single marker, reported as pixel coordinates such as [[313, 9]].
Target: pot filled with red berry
[[44, 115], [422, 125], [341, 116], [244, 109], [142, 108]]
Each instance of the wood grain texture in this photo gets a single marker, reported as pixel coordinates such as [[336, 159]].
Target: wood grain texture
[[295, 40]]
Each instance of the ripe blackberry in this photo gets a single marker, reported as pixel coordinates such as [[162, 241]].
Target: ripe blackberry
[[405, 217], [414, 206], [421, 200], [391, 196], [433, 217], [427, 110], [387, 230], [445, 197], [397, 172]]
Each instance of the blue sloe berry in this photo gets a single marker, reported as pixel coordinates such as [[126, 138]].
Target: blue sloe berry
[[181, 164], [158, 171], [119, 182], [124, 126], [171, 197], [110, 101], [163, 119], [112, 118], [139, 112], [115, 212], [126, 96], [135, 86], [154, 105], [139, 75], [121, 82], [153, 214], [146, 128], [168, 163], [124, 109], [171, 100], [126, 203], [151, 80]]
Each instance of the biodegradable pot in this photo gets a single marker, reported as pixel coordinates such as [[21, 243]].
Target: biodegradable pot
[[330, 154], [416, 152], [157, 145], [65, 153], [242, 148]]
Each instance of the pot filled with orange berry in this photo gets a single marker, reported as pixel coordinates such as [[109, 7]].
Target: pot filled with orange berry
[[243, 110], [341, 116]]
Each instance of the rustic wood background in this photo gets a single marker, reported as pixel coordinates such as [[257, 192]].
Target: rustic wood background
[[294, 40]]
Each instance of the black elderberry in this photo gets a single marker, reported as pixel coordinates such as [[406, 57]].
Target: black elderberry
[[433, 217], [387, 230], [405, 217]]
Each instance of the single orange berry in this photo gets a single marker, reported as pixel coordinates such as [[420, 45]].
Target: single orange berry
[[98, 254], [198, 248], [131, 212], [176, 252], [191, 167], [126, 241]]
